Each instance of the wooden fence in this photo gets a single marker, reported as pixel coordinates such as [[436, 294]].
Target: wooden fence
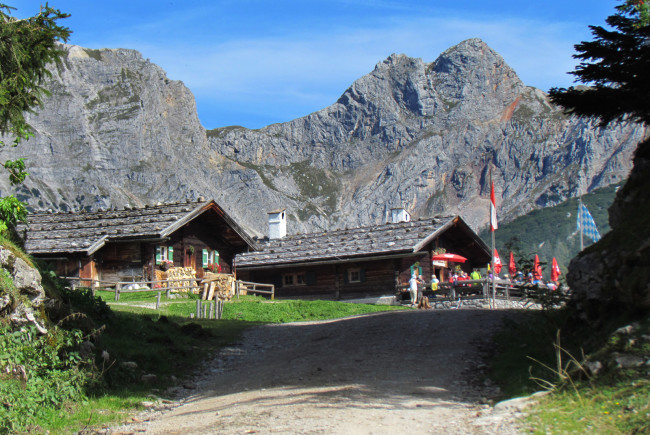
[[254, 287], [475, 289]]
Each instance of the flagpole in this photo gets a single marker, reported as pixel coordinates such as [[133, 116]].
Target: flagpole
[[492, 300], [582, 243]]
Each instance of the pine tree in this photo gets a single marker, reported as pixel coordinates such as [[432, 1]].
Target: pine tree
[[616, 65], [27, 47]]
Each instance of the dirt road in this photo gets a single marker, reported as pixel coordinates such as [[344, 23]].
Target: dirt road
[[410, 372]]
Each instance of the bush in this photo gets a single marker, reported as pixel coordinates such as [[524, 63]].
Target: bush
[[39, 373]]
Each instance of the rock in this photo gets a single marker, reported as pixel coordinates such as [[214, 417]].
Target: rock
[[21, 307], [410, 133], [629, 361], [594, 367], [149, 378], [129, 365]]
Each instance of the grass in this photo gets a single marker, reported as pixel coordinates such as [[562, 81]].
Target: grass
[[616, 401]]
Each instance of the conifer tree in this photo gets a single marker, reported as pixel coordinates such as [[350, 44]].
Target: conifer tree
[[616, 65], [27, 46]]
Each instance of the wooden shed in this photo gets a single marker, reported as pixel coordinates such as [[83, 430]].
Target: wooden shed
[[130, 244], [361, 261]]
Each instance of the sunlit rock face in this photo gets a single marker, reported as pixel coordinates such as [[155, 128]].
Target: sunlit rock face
[[423, 136]]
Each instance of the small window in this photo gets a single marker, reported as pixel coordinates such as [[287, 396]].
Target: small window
[[354, 275], [164, 253], [293, 279]]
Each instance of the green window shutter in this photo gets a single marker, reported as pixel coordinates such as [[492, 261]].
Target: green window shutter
[[412, 270], [419, 270], [216, 256], [362, 275], [204, 258], [310, 277], [170, 254], [158, 254]]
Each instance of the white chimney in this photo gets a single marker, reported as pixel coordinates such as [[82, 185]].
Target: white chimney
[[277, 224], [399, 215]]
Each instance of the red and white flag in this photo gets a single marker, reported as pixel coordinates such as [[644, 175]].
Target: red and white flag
[[493, 210], [497, 263]]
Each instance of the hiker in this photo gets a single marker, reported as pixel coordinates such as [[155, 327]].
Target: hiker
[[434, 283], [475, 274]]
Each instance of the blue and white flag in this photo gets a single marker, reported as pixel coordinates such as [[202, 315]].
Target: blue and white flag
[[586, 223]]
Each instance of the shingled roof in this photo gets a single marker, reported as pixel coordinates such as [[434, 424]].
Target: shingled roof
[[380, 240], [86, 232]]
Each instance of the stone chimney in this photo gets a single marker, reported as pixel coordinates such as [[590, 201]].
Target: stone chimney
[[399, 215], [277, 224]]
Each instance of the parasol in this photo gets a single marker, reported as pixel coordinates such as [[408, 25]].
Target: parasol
[[449, 257]]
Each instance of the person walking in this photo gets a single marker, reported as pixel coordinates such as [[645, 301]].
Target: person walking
[[413, 289]]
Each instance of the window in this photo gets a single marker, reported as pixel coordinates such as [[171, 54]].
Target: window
[[209, 258], [293, 279], [354, 275], [164, 254]]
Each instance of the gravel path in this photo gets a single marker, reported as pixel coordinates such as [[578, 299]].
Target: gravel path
[[415, 372]]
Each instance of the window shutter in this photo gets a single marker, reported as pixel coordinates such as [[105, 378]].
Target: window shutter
[[215, 254], [419, 270], [362, 275], [158, 254], [412, 270], [204, 262], [170, 254]]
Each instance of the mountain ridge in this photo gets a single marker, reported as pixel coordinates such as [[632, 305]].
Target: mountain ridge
[[424, 136]]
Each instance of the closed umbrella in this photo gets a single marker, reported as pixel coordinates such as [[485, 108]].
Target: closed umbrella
[[512, 267], [555, 270], [449, 257]]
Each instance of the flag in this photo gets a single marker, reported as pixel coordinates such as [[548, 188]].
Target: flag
[[586, 223], [512, 267], [555, 270], [493, 210], [537, 269], [497, 262]]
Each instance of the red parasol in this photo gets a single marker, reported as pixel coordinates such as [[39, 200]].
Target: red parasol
[[512, 267], [555, 270], [537, 269], [449, 257]]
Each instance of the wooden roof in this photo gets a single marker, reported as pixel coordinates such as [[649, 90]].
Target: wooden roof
[[375, 241], [86, 232]]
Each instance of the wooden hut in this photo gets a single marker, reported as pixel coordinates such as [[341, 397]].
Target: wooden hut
[[131, 244], [361, 261]]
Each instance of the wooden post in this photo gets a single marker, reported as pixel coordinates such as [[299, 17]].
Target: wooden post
[[198, 308], [219, 309], [118, 287], [158, 301], [205, 311], [272, 292], [211, 315]]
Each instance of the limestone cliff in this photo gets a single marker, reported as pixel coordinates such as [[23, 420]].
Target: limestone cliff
[[425, 136]]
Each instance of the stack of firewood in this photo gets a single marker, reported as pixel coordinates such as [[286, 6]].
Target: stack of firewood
[[182, 277], [218, 286]]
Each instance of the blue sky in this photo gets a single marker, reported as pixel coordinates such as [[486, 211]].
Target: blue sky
[[254, 63]]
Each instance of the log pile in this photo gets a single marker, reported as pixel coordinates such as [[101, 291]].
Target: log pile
[[182, 277], [218, 286], [160, 276]]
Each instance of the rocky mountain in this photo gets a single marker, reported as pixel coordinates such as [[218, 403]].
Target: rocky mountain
[[425, 136]]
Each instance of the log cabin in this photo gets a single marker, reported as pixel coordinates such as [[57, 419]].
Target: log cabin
[[359, 262], [131, 244]]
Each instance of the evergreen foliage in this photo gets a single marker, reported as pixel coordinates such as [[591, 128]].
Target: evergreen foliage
[[27, 46], [617, 66], [552, 231]]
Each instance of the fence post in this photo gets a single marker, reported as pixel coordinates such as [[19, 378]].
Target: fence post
[[236, 284], [118, 287], [198, 308], [158, 301], [211, 315], [272, 292]]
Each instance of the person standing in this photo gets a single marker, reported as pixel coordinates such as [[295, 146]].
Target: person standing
[[413, 289]]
